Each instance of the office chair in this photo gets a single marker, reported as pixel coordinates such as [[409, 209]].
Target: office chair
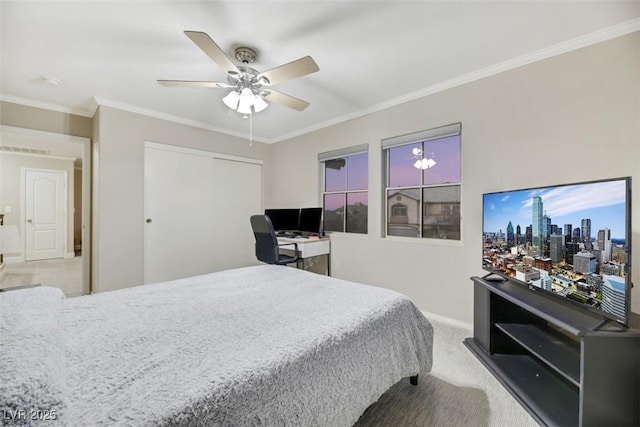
[[267, 246]]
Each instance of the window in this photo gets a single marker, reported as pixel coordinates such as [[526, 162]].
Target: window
[[423, 180], [345, 199], [398, 210]]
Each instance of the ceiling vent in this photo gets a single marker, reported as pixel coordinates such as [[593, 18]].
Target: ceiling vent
[[23, 150]]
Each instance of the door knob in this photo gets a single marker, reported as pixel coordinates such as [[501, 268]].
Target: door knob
[[148, 220], [29, 221]]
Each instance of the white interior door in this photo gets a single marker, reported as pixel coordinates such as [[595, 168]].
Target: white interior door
[[45, 214], [178, 205], [238, 194]]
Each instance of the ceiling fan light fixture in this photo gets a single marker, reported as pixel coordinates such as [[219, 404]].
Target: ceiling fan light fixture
[[246, 94], [244, 108], [231, 100], [259, 104], [245, 101]]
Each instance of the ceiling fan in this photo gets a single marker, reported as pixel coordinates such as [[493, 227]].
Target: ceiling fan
[[249, 87]]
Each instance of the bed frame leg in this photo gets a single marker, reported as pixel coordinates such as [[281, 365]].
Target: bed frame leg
[[413, 380]]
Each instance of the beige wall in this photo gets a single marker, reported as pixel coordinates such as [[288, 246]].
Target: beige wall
[[23, 116], [570, 118], [119, 138], [10, 181]]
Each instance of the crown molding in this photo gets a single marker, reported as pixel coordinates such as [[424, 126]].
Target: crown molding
[[44, 105], [609, 33], [93, 106], [99, 101]]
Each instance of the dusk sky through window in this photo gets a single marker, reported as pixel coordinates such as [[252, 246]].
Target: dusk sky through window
[[353, 175], [602, 202]]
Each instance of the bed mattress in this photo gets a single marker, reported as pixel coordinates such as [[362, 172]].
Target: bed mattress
[[264, 345]]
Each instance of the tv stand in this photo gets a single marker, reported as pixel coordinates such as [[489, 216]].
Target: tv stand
[[562, 363], [610, 326]]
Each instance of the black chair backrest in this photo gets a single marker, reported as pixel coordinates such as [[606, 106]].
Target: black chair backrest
[[266, 241]]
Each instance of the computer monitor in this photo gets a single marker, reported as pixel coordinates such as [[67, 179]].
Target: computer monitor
[[283, 219], [310, 220]]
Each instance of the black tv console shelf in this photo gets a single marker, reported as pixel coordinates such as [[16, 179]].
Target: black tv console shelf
[[562, 363]]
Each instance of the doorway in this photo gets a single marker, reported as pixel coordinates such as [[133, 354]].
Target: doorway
[[45, 212], [38, 260]]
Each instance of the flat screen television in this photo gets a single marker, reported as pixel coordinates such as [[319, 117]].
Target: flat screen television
[[310, 220], [284, 220], [572, 241]]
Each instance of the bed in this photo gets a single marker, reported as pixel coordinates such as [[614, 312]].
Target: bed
[[264, 345]]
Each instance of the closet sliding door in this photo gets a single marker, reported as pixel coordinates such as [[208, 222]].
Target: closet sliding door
[[178, 229], [238, 194], [197, 207]]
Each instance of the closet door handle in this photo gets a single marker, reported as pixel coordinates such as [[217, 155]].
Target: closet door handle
[[29, 221], [148, 221]]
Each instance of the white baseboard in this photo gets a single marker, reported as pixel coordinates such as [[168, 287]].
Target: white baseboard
[[20, 258], [13, 259], [448, 320]]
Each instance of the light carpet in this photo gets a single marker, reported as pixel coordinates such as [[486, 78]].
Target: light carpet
[[11, 280], [459, 391]]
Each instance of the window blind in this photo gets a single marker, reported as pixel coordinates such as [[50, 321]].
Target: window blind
[[342, 152], [425, 135]]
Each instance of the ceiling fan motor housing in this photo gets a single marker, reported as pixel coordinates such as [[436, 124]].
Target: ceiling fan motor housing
[[246, 55], [248, 77]]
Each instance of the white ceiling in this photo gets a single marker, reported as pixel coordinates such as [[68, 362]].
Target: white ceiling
[[371, 54]]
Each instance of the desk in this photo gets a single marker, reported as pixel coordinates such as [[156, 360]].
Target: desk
[[308, 248]]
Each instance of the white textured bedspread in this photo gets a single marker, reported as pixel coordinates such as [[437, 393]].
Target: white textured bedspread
[[260, 346]]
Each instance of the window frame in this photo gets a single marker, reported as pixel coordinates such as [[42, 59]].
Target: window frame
[[422, 137], [337, 154]]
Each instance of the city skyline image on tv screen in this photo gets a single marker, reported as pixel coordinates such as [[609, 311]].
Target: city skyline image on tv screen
[[570, 240]]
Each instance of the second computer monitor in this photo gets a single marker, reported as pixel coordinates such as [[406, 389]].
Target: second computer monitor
[[310, 220]]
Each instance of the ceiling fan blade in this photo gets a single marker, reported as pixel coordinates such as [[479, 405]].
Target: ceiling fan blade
[[286, 100], [298, 68], [213, 51], [189, 83]]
